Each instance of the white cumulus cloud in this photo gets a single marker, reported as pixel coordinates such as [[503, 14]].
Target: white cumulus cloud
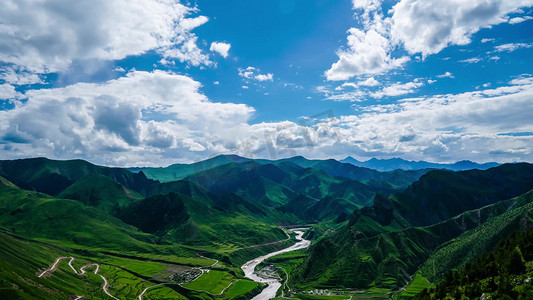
[[423, 27], [117, 117], [9, 75], [398, 89], [48, 36], [446, 75], [7, 91], [264, 77], [416, 26], [220, 48], [255, 74], [367, 53], [519, 19], [369, 82], [485, 40], [158, 118], [472, 60]]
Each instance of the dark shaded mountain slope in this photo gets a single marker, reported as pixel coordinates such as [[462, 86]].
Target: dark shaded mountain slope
[[440, 194], [384, 244]]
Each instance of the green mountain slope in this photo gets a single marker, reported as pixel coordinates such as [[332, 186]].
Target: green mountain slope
[[37, 215], [503, 273], [443, 194], [349, 258], [54, 176], [398, 178], [179, 218], [21, 259], [102, 192], [310, 193], [473, 243], [378, 246], [375, 234], [180, 171], [262, 183], [36, 228], [269, 183]]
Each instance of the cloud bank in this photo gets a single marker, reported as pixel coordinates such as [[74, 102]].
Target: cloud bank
[[415, 27], [157, 118], [48, 36]]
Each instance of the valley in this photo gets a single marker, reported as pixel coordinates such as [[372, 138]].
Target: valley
[[273, 283], [232, 230], [266, 150]]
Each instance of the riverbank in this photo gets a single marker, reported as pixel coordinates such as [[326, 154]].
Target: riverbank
[[273, 283]]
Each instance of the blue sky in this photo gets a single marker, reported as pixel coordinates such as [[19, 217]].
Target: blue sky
[[156, 82]]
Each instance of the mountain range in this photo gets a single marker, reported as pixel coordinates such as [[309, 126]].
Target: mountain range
[[379, 231], [402, 164], [400, 234]]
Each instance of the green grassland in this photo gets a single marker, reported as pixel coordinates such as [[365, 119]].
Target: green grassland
[[286, 263], [101, 192], [128, 258], [213, 282], [323, 297], [163, 292], [24, 259], [417, 284], [240, 288]]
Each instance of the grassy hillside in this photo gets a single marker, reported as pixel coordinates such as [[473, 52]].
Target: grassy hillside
[[503, 273], [373, 235], [348, 258], [379, 247], [398, 178], [38, 215], [444, 194], [163, 219], [102, 192], [456, 253], [37, 229], [23, 260], [328, 184], [54, 176], [309, 193], [179, 218]]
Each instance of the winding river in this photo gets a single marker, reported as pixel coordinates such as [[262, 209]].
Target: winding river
[[273, 284]]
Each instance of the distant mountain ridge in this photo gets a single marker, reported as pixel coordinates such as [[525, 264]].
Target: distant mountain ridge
[[330, 166], [402, 164], [181, 171]]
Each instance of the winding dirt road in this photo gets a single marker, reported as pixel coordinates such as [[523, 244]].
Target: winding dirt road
[[105, 286], [144, 291], [53, 267]]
